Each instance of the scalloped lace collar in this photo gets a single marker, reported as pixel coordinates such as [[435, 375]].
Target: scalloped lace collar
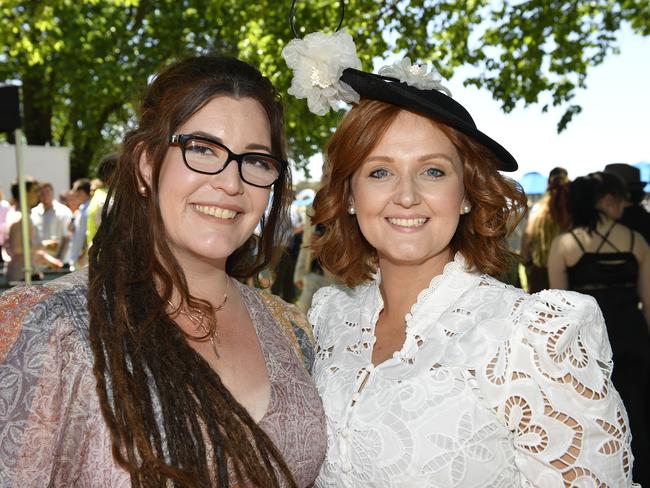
[[451, 268]]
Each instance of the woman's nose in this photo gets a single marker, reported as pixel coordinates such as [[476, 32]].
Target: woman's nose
[[229, 180], [406, 193]]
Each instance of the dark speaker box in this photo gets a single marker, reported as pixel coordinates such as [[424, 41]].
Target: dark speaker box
[[9, 109]]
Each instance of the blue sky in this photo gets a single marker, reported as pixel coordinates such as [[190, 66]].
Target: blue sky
[[614, 125]]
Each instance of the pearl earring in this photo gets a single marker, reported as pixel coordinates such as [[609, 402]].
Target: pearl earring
[[465, 210], [143, 190], [351, 210]]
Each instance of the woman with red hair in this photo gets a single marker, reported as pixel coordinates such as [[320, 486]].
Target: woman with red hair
[[433, 372]]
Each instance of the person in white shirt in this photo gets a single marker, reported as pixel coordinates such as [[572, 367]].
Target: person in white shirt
[[77, 255], [51, 219], [13, 235], [5, 207], [433, 373]]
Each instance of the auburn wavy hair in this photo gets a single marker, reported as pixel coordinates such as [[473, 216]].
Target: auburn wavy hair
[[552, 218], [171, 419], [498, 203]]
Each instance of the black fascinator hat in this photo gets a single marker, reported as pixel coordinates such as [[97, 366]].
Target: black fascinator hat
[[430, 103]]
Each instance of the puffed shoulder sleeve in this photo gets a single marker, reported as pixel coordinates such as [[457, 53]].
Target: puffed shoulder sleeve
[[549, 383], [319, 303], [46, 389]]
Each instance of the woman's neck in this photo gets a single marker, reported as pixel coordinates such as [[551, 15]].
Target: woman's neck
[[401, 285], [205, 280], [605, 222]]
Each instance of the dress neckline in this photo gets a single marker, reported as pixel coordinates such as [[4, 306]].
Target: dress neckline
[[249, 297], [458, 262], [415, 322]]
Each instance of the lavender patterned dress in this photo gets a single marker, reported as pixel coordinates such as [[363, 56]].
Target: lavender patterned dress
[[52, 432]]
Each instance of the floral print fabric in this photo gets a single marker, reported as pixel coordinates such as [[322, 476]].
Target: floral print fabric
[[52, 432]]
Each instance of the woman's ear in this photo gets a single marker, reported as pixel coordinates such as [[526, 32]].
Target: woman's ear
[[145, 173], [465, 205], [351, 208]]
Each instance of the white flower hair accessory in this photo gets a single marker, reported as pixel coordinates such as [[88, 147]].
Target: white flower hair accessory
[[423, 77], [318, 61]]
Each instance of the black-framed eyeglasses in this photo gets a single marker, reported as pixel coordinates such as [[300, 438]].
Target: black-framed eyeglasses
[[209, 157]]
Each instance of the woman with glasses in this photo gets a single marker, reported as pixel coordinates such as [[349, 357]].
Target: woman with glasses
[[156, 367]]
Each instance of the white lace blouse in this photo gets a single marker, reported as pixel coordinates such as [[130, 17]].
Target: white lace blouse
[[492, 388]]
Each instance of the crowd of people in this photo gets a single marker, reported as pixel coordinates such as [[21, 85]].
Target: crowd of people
[[61, 229], [159, 361]]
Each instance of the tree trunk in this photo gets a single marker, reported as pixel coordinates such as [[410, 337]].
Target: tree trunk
[[37, 105], [80, 158], [86, 142]]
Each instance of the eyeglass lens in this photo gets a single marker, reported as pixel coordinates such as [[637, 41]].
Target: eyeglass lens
[[207, 157]]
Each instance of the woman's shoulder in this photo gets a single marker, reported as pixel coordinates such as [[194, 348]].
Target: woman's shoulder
[[280, 309], [537, 317], [554, 333], [30, 312], [640, 246], [291, 321], [335, 297], [567, 331], [550, 308]]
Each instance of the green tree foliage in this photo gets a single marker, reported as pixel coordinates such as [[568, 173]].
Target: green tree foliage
[[83, 63]]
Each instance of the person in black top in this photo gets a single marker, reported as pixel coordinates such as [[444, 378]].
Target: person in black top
[[635, 216], [601, 257]]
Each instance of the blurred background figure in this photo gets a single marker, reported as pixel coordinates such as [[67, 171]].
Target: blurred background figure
[[549, 218], [283, 285], [77, 256], [309, 275], [635, 216], [99, 187], [611, 262], [51, 219], [69, 199], [13, 234], [4, 210]]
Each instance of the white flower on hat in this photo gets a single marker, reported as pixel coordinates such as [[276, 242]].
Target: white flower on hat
[[318, 61], [423, 77]]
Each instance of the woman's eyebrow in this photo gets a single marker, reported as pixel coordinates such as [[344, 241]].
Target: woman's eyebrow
[[252, 146]]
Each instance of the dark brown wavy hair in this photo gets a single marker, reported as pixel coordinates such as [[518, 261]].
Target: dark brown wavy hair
[[498, 203], [586, 191], [172, 421]]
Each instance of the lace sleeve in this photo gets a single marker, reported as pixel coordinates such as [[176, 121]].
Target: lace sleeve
[[550, 385], [319, 301]]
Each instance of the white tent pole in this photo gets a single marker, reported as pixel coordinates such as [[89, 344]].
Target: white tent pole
[[24, 211]]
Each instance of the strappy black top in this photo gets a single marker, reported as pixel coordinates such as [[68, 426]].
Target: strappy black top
[[604, 270]]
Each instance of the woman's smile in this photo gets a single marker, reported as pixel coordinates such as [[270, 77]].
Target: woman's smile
[[407, 223], [214, 211]]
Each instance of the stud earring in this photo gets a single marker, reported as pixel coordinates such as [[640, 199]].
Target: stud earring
[[351, 210], [465, 210], [143, 190]]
